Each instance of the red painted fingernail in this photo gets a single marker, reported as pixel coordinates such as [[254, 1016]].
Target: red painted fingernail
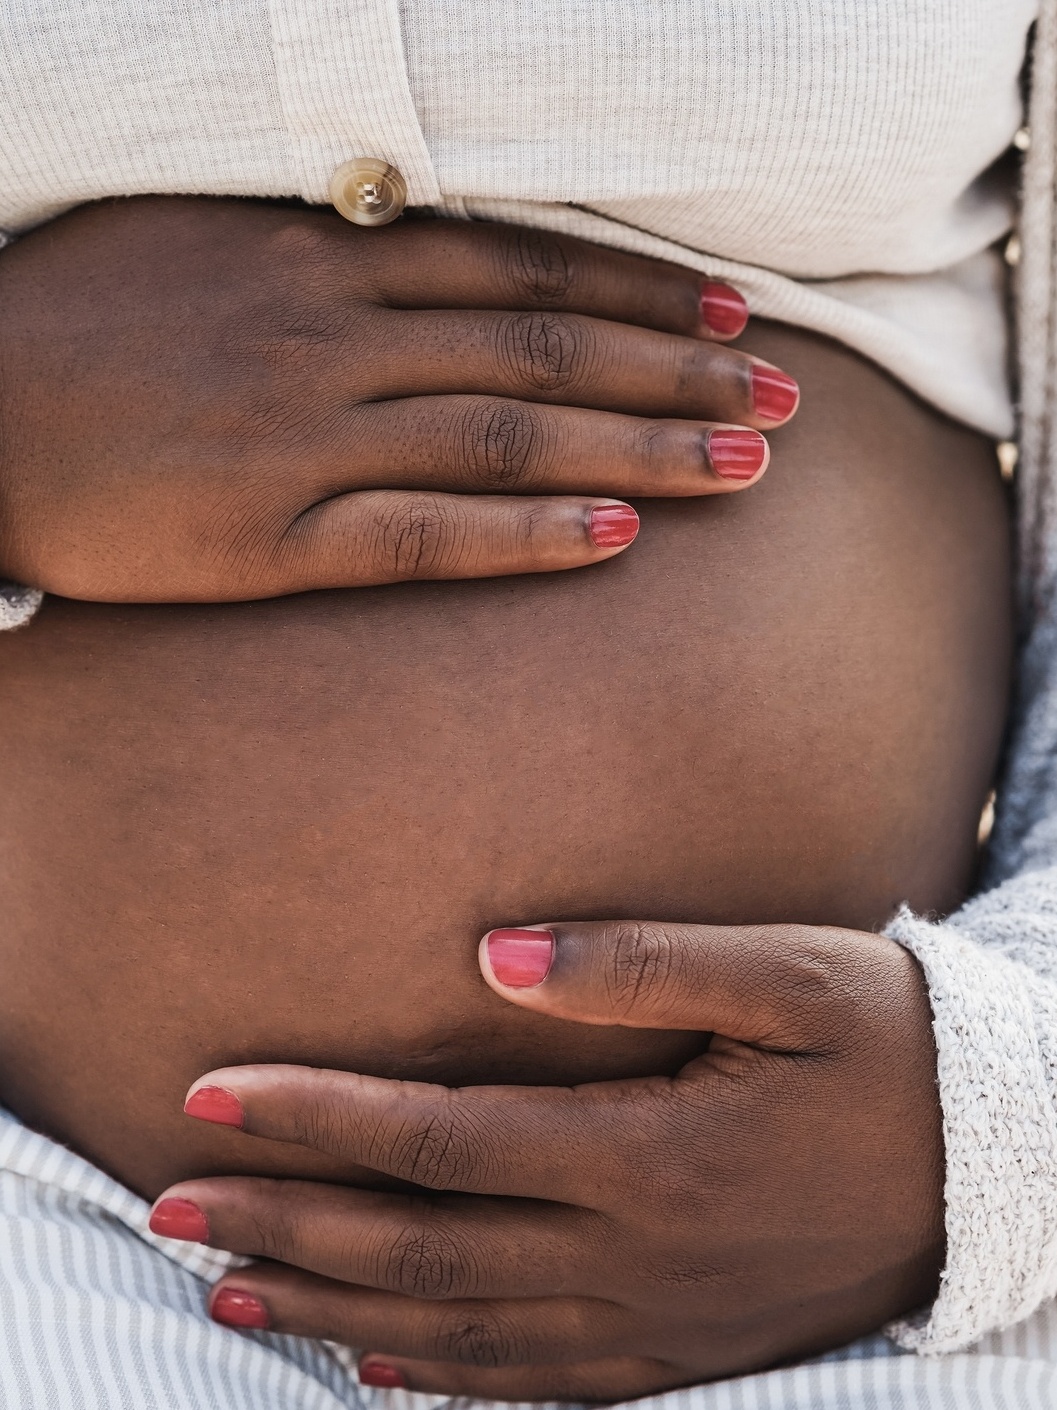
[[613, 525], [215, 1104], [736, 455], [723, 309], [380, 1373], [520, 959], [179, 1219], [239, 1309], [774, 395]]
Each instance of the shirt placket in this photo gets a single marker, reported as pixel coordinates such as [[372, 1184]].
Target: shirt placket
[[343, 84]]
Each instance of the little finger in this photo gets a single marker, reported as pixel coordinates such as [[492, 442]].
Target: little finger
[[458, 264], [382, 536], [610, 1381]]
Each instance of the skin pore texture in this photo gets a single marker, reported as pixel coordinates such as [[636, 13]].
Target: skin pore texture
[[275, 831]]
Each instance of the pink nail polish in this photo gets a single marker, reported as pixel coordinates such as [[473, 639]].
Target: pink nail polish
[[215, 1104], [723, 310], [613, 525], [774, 395], [380, 1373], [736, 455], [520, 959], [239, 1309], [179, 1219]]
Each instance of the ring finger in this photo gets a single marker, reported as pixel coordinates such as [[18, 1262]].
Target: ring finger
[[495, 445], [438, 1249]]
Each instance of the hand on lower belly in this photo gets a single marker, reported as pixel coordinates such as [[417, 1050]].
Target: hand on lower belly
[[781, 1195]]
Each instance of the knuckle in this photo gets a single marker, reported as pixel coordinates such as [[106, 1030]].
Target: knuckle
[[426, 1264], [436, 1154], [297, 244], [681, 1274], [546, 351], [816, 977], [301, 317], [325, 1123], [275, 1233], [667, 1167], [479, 1337], [638, 964], [308, 254], [502, 444], [654, 446], [540, 268], [410, 538], [817, 996]]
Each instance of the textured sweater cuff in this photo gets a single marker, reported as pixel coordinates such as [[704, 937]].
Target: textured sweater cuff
[[995, 1024], [17, 605]]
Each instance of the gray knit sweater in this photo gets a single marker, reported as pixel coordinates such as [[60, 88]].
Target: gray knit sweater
[[270, 84]]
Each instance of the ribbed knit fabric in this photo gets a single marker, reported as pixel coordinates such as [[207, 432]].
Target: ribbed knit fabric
[[834, 159]]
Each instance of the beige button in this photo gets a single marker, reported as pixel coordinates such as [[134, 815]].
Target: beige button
[[368, 191], [1008, 454], [1022, 139]]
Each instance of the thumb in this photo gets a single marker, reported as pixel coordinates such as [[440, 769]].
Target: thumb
[[789, 987]]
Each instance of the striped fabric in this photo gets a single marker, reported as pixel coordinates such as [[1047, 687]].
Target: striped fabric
[[97, 1313]]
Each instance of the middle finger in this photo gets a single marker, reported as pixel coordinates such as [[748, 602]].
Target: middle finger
[[578, 361], [495, 445]]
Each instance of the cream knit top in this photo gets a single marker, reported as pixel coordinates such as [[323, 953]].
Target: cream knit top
[[845, 163]]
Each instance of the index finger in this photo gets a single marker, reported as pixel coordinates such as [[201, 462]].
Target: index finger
[[478, 1140], [455, 264]]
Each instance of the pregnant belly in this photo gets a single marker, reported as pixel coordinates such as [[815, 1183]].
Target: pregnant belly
[[275, 831]]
